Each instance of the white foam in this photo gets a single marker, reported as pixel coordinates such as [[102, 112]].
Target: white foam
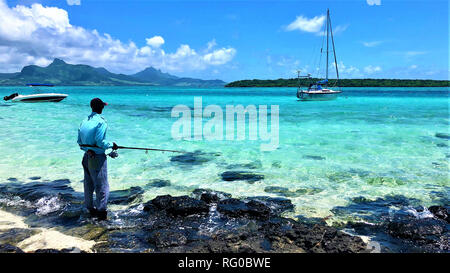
[[420, 215], [47, 205]]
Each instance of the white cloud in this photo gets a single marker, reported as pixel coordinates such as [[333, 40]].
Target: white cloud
[[73, 2], [348, 71], [372, 44], [372, 69], [211, 44], [220, 56], [414, 53], [374, 2], [308, 25], [338, 29], [36, 34], [155, 41]]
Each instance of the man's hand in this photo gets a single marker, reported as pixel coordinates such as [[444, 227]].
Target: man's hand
[[115, 147]]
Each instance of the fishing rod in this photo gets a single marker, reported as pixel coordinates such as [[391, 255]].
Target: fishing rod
[[149, 149], [114, 154]]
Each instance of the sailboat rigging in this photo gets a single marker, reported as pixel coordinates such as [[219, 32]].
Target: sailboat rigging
[[320, 90]]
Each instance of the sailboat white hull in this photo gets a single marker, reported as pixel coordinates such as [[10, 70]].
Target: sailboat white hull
[[325, 94], [319, 89]]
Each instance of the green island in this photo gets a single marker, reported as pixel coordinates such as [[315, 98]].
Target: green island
[[294, 82]]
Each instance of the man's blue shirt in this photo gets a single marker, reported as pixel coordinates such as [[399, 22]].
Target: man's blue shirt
[[92, 131]]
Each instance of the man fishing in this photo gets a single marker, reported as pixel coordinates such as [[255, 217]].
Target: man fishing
[[91, 138]]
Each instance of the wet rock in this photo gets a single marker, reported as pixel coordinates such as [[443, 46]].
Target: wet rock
[[387, 181], [7, 248], [193, 158], [287, 193], [442, 135], [33, 191], [132, 239], [440, 212], [15, 235], [241, 175], [167, 238], [276, 164], [375, 211], [64, 250], [252, 165], [277, 205], [317, 238], [124, 197], [359, 172], [278, 190], [210, 196], [34, 178], [237, 208], [177, 206], [441, 145], [314, 157], [339, 176], [72, 212], [417, 229], [47, 250], [158, 183], [308, 191], [88, 232]]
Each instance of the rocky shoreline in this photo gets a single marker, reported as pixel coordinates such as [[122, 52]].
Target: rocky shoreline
[[206, 221]]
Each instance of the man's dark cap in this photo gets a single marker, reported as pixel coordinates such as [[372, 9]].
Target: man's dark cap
[[96, 103]]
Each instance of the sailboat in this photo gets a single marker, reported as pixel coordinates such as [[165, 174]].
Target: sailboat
[[320, 90]]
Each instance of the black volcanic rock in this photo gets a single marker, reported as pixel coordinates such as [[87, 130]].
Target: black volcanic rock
[[123, 197], [237, 208], [7, 248], [440, 212], [418, 229], [210, 196], [177, 206], [241, 175], [442, 135]]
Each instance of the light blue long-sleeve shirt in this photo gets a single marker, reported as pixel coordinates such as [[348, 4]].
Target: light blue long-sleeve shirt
[[92, 131]]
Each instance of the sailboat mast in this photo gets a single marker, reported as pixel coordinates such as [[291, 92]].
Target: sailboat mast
[[334, 53], [328, 16]]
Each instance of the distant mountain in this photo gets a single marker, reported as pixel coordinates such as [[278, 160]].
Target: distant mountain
[[150, 74], [62, 73], [153, 75]]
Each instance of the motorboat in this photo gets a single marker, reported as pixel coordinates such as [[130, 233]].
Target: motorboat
[[36, 97]]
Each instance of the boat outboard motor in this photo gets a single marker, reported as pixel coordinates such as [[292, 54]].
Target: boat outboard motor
[[10, 97]]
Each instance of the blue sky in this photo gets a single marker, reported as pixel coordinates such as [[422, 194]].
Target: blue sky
[[229, 40]]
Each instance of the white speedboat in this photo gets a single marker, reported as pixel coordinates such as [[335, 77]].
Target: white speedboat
[[44, 97], [36, 97], [320, 90]]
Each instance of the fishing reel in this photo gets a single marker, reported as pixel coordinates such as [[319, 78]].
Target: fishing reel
[[113, 154]]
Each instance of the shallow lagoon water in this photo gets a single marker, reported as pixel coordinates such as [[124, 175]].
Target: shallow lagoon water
[[370, 142]]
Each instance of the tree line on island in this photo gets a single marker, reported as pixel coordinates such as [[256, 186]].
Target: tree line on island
[[294, 82]]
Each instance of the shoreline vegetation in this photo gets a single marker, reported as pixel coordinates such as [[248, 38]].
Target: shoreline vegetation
[[294, 82]]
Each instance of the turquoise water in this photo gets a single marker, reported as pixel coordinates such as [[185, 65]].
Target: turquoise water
[[371, 142]]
